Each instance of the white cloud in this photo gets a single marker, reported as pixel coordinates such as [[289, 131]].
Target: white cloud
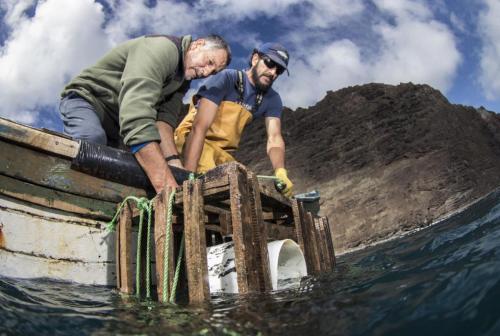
[[15, 10], [314, 13], [133, 17], [489, 26], [411, 47], [237, 10], [327, 13], [404, 9], [44, 51], [421, 52], [330, 67]]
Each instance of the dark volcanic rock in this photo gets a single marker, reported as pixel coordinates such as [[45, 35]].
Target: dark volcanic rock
[[386, 159]]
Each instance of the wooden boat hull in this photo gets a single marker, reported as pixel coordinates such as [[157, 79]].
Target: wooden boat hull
[[52, 217], [39, 242]]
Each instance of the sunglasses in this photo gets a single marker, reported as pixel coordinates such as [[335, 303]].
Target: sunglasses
[[272, 64]]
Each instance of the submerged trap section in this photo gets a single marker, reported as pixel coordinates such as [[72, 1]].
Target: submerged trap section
[[229, 203]]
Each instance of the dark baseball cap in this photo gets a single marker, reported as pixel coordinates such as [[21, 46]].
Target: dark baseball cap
[[275, 52]]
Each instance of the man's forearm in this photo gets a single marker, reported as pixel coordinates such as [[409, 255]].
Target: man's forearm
[[167, 143], [194, 147], [276, 152], [151, 159], [277, 157]]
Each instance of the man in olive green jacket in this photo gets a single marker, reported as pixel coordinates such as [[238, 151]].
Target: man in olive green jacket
[[133, 96]]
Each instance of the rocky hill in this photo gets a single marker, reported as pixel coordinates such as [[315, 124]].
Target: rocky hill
[[385, 159]]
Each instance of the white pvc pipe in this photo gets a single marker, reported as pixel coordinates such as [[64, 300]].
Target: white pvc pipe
[[286, 262]]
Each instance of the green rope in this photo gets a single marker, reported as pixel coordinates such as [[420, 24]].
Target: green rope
[[143, 204], [173, 293], [167, 245], [138, 257], [148, 252]]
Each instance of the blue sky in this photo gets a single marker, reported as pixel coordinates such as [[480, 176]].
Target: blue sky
[[453, 46]]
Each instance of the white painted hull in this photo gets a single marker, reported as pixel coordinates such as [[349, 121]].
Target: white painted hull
[[39, 242]]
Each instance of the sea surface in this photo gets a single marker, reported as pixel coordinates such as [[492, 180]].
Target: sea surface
[[443, 280]]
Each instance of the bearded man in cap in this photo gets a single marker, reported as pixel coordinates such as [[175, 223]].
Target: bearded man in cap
[[226, 103]]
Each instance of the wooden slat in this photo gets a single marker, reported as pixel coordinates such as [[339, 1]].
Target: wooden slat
[[161, 206], [321, 245], [313, 241], [195, 242], [216, 210], [259, 234], [306, 237], [124, 272], [50, 198], [271, 198], [329, 242], [278, 232], [298, 214], [220, 173], [55, 172], [35, 138], [247, 273], [213, 183], [226, 227]]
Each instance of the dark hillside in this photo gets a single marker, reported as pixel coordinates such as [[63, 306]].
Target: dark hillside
[[385, 158]]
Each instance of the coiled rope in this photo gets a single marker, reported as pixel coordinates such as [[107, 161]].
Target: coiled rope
[[145, 205]]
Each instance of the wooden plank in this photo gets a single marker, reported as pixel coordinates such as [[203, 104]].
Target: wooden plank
[[31, 229], [216, 210], [18, 265], [124, 266], [36, 138], [321, 245], [226, 227], [304, 227], [220, 173], [329, 242], [245, 258], [55, 172], [161, 208], [220, 182], [298, 214], [50, 198], [313, 241], [272, 198], [259, 234], [278, 232], [195, 242]]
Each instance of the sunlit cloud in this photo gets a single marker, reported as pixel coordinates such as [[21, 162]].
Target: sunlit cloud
[[333, 43], [403, 55], [44, 51]]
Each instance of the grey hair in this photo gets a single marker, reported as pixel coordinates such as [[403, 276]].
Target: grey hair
[[214, 41]]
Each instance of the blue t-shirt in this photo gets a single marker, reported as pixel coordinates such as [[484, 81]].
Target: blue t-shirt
[[222, 87]]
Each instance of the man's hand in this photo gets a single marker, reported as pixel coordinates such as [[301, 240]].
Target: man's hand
[[281, 174], [151, 159]]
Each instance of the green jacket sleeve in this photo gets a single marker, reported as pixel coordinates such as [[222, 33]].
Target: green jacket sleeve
[[149, 62]]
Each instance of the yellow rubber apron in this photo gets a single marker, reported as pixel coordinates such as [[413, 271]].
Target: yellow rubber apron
[[222, 137]]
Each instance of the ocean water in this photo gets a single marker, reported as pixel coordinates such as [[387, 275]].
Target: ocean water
[[443, 280]]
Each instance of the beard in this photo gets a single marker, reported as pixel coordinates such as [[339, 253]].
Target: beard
[[258, 83]]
